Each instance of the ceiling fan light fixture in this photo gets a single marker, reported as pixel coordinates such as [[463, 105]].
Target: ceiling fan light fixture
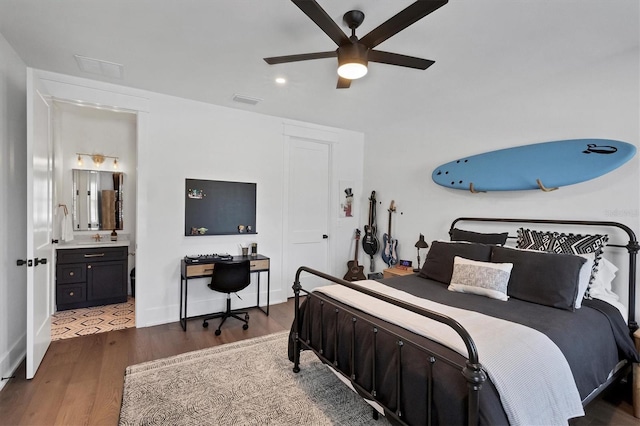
[[352, 61], [352, 70]]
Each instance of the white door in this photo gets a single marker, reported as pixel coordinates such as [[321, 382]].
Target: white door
[[39, 223], [308, 210]]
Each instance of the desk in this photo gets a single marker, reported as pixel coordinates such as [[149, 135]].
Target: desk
[[188, 271]]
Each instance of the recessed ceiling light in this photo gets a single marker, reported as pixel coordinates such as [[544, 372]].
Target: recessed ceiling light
[[281, 80]]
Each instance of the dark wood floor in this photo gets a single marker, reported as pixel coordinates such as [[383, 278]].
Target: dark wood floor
[[80, 380]]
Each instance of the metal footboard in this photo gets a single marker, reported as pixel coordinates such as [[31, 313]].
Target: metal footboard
[[471, 370]]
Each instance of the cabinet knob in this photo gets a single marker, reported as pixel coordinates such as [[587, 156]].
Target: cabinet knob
[[88, 266], [70, 293], [71, 273]]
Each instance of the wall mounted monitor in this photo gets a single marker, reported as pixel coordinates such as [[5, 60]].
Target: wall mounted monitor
[[215, 207]]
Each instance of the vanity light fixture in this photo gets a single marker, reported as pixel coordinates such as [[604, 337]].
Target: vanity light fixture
[[97, 159]]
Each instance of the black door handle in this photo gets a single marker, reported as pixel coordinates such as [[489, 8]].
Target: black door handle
[[21, 262], [325, 236], [37, 261]]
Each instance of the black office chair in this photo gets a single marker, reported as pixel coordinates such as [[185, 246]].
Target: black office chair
[[229, 277]]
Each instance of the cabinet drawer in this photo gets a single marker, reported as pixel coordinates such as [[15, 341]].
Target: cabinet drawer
[[199, 270], [70, 293], [262, 264], [97, 254], [71, 273]]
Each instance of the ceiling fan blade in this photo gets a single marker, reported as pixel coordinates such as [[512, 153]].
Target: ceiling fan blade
[[343, 83], [301, 57], [317, 14], [400, 60], [400, 21]]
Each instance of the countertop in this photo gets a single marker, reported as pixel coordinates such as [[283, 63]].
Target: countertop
[[90, 243]]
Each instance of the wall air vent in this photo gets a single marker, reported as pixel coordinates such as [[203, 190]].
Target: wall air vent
[[246, 99]]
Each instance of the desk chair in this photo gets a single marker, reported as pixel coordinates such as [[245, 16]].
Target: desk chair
[[229, 277]]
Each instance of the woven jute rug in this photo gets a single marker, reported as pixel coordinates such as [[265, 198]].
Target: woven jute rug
[[250, 382]]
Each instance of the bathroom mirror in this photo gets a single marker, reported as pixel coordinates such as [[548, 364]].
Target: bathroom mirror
[[97, 200]]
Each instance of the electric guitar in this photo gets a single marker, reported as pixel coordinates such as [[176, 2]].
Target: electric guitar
[[370, 242], [390, 251], [355, 271]]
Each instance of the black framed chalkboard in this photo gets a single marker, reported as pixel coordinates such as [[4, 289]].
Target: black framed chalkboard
[[215, 207]]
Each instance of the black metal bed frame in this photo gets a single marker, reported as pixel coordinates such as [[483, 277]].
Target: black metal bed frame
[[472, 370]]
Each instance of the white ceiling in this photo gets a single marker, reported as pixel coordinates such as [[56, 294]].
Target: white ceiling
[[209, 50]]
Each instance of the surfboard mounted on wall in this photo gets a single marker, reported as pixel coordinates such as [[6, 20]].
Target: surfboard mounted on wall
[[546, 166]]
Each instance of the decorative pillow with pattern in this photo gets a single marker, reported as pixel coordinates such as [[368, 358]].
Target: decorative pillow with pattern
[[555, 242], [482, 278]]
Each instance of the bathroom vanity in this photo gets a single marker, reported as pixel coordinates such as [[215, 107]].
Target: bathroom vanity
[[91, 274]]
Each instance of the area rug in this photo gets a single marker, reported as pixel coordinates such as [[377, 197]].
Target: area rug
[[98, 319], [244, 383]]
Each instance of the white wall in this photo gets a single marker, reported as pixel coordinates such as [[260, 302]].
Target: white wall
[[195, 140], [179, 139], [599, 101], [13, 225]]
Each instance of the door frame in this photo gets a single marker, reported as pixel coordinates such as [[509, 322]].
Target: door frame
[[98, 94], [315, 135]]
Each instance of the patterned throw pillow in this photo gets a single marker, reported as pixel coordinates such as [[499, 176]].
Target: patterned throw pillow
[[482, 278], [556, 242]]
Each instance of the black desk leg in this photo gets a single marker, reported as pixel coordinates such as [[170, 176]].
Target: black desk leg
[[183, 303], [268, 289]]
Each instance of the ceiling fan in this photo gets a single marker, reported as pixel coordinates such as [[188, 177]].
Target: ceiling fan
[[354, 53]]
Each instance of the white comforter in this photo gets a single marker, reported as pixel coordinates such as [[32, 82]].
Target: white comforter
[[529, 371]]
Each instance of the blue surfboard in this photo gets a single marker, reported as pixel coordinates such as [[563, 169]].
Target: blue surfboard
[[546, 165]]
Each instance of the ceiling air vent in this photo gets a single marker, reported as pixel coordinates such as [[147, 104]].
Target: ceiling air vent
[[246, 99], [98, 66]]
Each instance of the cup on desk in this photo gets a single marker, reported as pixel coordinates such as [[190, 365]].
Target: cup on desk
[[245, 251]]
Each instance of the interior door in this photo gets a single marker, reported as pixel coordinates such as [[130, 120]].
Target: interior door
[[39, 223], [308, 210]]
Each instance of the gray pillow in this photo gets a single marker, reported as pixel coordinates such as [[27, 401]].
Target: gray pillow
[[545, 278], [556, 242], [478, 237], [438, 265]]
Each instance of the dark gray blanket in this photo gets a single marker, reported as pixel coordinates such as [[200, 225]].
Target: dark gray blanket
[[593, 340]]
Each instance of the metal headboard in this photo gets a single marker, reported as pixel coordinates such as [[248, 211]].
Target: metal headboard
[[632, 248]]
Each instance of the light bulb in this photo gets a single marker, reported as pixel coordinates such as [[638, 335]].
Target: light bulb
[[79, 160], [352, 70]]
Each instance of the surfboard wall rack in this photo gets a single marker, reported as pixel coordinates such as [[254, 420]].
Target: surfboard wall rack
[[473, 191], [538, 181], [544, 188]]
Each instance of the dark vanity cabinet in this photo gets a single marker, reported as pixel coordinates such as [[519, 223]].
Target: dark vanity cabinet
[[91, 277]]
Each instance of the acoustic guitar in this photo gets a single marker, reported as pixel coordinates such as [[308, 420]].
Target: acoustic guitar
[[370, 242], [355, 271], [390, 244]]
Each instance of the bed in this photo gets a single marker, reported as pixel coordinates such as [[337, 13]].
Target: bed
[[485, 333]]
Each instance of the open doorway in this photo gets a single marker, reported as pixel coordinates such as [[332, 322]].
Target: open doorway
[[94, 215]]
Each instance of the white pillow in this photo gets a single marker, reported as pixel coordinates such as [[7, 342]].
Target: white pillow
[[584, 277], [482, 278], [601, 286]]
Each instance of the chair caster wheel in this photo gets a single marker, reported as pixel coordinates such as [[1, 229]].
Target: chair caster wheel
[[217, 333], [205, 324], [246, 326]]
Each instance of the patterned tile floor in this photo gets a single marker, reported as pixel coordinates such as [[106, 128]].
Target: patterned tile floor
[[98, 319]]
